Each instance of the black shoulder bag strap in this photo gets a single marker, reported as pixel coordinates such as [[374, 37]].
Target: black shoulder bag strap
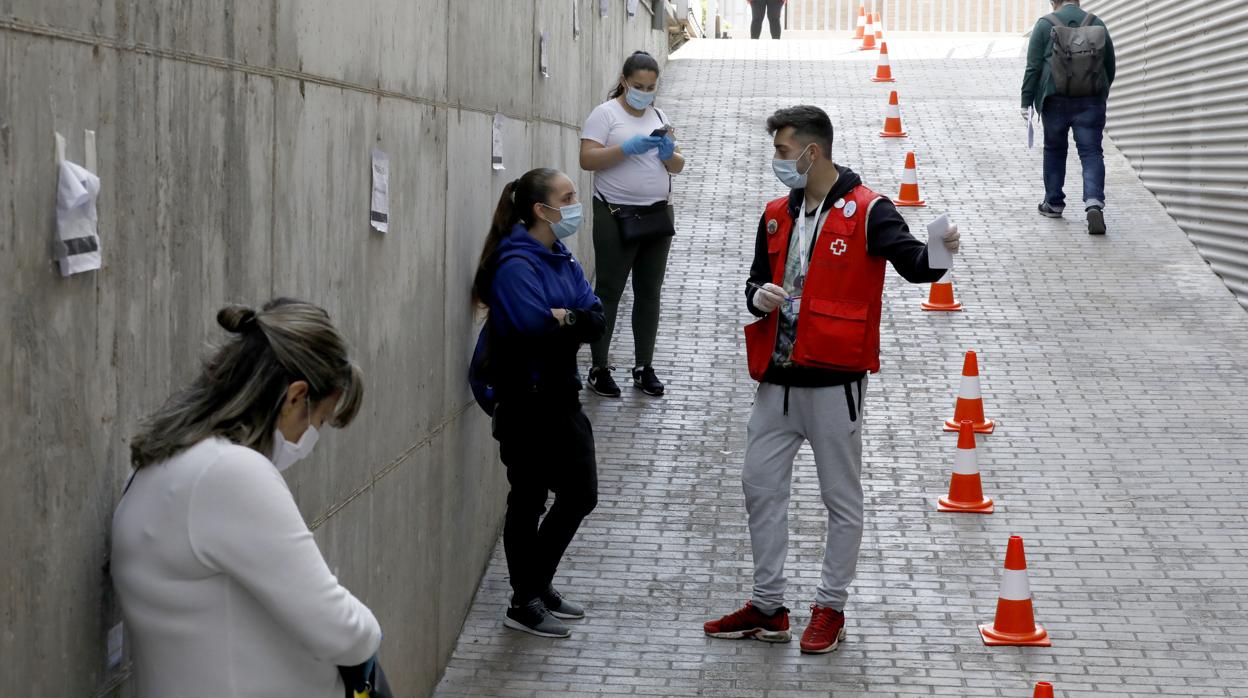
[[665, 122]]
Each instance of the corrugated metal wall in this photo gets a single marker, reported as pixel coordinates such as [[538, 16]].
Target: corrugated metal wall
[[1179, 111]]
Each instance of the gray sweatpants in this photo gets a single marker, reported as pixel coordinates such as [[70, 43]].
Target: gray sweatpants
[[825, 418]]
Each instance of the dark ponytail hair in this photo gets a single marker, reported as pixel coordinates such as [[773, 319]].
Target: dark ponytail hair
[[640, 60], [514, 206]]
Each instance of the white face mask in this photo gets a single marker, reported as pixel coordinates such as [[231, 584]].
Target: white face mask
[[286, 454], [786, 171]]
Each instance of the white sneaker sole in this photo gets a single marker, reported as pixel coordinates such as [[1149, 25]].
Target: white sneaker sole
[[517, 625], [830, 648], [756, 634], [600, 393]]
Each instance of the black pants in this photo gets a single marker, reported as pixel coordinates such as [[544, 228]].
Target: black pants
[[546, 448], [773, 8]]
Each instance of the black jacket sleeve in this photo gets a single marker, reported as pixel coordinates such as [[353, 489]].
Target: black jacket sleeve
[[889, 237], [760, 269], [590, 324]]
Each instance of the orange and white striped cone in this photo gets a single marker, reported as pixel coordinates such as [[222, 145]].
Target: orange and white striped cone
[[879, 27], [940, 297], [884, 71], [1044, 689], [868, 35], [909, 195], [970, 405], [1015, 623], [892, 118], [862, 22], [966, 492]]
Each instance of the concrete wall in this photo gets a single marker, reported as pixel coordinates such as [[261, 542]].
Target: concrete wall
[[234, 148]]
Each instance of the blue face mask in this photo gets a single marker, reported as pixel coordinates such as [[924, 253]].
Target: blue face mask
[[638, 99], [786, 171], [569, 223]]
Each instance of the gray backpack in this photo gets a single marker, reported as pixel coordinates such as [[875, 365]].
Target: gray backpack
[[1078, 61]]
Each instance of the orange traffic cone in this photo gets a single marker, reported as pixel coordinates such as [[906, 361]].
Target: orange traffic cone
[[883, 72], [966, 493], [970, 405], [1015, 623], [868, 35], [862, 21], [1044, 689], [892, 118], [940, 297], [879, 27], [909, 195]]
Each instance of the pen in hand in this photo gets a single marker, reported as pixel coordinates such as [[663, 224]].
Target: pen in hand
[[757, 287]]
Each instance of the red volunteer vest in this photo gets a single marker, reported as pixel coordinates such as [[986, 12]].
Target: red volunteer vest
[[838, 325]]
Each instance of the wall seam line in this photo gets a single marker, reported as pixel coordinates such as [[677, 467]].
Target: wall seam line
[[20, 27]]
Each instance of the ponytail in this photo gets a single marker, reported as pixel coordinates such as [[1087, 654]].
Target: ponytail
[[515, 205], [640, 60]]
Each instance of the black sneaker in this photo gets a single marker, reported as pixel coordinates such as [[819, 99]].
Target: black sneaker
[[644, 378], [601, 382], [560, 607], [535, 619], [1048, 211], [1096, 222]]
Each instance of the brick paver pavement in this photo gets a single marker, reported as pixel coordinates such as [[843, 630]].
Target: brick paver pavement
[[1117, 368]]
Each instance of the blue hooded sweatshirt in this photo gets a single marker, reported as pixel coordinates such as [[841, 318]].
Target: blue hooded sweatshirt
[[529, 351]]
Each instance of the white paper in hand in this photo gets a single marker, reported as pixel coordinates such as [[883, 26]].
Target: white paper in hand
[[938, 256]]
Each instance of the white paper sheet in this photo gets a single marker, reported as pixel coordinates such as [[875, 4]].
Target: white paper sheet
[[496, 143], [603, 6], [78, 239], [542, 58], [379, 215], [632, 7], [938, 256], [1031, 128]]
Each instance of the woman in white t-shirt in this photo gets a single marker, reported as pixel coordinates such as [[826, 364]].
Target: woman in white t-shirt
[[630, 147], [222, 587]]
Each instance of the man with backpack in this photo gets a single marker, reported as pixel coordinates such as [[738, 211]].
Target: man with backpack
[[1070, 66]]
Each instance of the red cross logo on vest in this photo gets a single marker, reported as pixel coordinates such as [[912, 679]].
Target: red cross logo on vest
[[839, 247]]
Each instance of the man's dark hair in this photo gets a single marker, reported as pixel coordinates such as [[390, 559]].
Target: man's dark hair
[[810, 124]]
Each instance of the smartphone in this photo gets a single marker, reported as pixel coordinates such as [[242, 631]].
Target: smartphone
[[660, 132]]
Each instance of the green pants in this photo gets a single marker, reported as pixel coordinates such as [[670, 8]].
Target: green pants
[[648, 263]]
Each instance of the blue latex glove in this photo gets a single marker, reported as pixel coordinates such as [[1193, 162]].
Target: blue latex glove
[[667, 148], [640, 144]]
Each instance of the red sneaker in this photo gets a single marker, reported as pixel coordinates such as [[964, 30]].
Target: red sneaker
[[825, 631], [751, 622]]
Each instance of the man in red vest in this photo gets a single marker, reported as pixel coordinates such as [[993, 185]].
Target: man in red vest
[[816, 283]]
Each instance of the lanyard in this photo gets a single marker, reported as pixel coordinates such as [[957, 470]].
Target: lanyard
[[801, 231]]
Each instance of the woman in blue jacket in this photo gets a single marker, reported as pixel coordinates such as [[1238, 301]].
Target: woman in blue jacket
[[541, 310]]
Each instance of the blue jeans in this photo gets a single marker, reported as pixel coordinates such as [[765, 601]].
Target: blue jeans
[[1086, 117]]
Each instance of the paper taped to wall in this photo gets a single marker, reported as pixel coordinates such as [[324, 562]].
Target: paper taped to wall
[[78, 239], [496, 143], [379, 215]]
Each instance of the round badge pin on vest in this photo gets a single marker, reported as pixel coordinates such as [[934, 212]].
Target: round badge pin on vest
[[840, 203], [772, 226], [850, 208]]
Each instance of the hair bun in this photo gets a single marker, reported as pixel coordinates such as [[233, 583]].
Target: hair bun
[[236, 318]]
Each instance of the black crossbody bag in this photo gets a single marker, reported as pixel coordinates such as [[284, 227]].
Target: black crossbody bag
[[643, 223]]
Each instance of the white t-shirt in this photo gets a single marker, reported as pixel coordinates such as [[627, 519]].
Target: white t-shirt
[[640, 179], [222, 587]]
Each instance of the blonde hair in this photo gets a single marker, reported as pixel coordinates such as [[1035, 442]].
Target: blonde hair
[[238, 393]]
